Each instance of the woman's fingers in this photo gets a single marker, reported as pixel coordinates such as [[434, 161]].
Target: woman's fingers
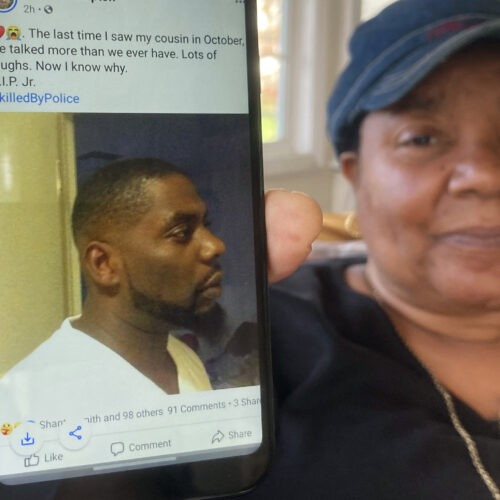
[[293, 222]]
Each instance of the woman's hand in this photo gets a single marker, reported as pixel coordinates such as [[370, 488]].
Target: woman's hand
[[293, 221]]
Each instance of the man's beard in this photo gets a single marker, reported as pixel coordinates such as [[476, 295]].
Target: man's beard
[[209, 324]]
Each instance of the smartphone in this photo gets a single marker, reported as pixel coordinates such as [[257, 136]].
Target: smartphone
[[135, 355]]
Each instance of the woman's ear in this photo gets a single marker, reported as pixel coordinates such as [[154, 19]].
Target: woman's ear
[[349, 163], [102, 263]]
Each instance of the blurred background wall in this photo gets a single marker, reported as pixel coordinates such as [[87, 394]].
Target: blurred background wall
[[38, 267]]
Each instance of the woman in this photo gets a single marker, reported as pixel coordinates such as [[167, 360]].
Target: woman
[[388, 370]]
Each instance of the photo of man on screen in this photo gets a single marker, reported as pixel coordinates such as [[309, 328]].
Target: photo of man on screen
[[151, 265]]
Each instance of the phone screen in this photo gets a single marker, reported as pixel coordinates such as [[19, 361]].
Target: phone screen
[[133, 325]]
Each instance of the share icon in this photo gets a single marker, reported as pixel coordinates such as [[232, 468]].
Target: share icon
[[74, 434]]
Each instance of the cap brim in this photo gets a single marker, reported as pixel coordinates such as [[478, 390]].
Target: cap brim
[[413, 68]]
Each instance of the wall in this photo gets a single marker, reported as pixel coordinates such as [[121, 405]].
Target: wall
[[37, 266], [326, 185]]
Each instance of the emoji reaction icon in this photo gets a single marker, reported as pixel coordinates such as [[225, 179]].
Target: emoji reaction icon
[[6, 429], [13, 33], [2, 31]]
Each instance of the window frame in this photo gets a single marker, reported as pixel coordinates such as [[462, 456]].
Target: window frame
[[315, 32]]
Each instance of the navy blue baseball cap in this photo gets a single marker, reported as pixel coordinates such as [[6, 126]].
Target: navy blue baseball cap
[[392, 52]]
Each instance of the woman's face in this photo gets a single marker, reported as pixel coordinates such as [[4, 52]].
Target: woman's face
[[427, 184]]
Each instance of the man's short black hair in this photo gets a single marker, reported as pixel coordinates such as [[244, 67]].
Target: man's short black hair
[[115, 195]]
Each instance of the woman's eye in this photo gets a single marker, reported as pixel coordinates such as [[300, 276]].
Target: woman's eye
[[421, 140], [418, 140]]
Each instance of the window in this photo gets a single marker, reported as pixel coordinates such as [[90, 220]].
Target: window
[[272, 45], [370, 8], [302, 46]]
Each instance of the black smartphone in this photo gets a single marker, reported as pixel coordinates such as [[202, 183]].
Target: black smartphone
[[135, 356]]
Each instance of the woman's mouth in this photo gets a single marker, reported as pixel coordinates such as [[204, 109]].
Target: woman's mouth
[[474, 237]]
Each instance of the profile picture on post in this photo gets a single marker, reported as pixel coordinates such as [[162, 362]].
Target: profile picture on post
[[7, 5]]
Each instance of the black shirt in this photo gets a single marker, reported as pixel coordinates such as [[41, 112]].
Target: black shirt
[[357, 415]]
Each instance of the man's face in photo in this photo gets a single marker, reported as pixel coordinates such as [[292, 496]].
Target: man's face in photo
[[170, 256]]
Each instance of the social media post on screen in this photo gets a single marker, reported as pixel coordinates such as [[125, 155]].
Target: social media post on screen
[[123, 56], [128, 168], [79, 395]]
